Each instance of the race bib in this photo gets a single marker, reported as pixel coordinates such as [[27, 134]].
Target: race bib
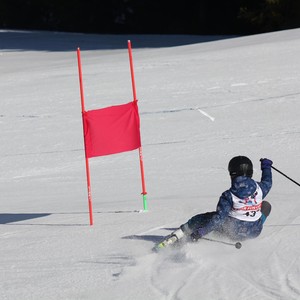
[[248, 209]]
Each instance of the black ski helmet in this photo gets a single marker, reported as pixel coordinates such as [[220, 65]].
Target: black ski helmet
[[240, 166]]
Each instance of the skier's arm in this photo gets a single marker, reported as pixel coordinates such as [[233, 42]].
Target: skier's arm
[[266, 176]]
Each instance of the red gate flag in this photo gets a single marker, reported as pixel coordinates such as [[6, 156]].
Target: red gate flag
[[112, 129]]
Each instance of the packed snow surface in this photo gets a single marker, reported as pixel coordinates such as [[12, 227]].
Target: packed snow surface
[[202, 100]]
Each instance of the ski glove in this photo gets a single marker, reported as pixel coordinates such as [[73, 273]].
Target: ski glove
[[197, 234], [265, 163]]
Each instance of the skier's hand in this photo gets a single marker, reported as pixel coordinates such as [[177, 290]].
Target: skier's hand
[[196, 235], [265, 163]]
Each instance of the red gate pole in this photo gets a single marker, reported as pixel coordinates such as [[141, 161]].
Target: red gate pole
[[87, 166], [144, 193]]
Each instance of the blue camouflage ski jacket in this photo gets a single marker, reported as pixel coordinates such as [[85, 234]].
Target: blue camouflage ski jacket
[[220, 221]]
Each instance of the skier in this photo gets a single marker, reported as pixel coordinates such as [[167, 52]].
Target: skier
[[240, 212]]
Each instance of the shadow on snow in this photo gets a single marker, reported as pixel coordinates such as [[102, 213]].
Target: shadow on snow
[[10, 218]]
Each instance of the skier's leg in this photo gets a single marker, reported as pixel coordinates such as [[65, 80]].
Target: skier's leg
[[185, 230], [196, 222], [188, 228]]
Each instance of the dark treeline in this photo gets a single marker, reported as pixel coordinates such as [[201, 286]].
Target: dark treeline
[[151, 16]]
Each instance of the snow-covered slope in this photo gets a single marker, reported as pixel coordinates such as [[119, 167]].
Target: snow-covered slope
[[201, 102]]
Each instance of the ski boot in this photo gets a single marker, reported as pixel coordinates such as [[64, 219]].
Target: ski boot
[[170, 240]]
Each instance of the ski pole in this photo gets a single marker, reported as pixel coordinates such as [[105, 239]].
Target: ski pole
[[237, 245], [285, 175]]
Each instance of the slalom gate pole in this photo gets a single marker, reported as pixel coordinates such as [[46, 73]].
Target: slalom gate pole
[[144, 193], [285, 175], [87, 166]]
